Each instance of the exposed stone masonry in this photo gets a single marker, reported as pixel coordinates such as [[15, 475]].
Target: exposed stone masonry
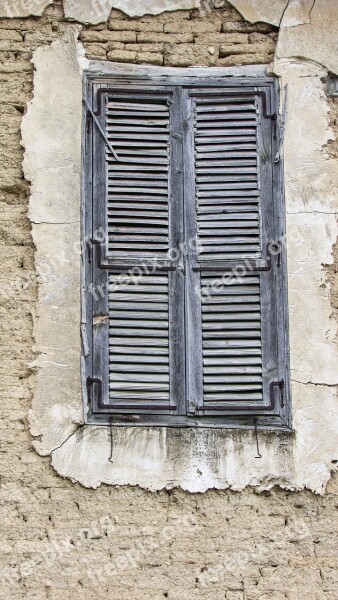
[[182, 39]]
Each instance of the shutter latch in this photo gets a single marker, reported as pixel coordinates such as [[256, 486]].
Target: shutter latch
[[192, 409]]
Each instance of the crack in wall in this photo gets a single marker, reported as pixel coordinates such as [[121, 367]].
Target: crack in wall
[[283, 13], [311, 9], [332, 385], [77, 428]]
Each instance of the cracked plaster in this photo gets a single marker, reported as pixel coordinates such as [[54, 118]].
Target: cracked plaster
[[22, 8], [157, 457]]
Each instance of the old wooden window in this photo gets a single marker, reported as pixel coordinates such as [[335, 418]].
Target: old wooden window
[[184, 286]]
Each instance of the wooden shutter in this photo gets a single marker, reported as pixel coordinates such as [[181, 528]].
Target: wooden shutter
[[230, 190], [138, 340], [187, 312]]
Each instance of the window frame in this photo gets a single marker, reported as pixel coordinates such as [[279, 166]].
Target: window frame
[[200, 77]]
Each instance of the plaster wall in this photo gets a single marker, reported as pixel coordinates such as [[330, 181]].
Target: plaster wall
[[61, 539]]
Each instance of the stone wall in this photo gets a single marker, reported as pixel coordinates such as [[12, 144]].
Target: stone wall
[[181, 39], [60, 540]]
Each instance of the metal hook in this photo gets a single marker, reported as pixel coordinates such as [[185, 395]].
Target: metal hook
[[256, 434], [111, 440], [100, 129]]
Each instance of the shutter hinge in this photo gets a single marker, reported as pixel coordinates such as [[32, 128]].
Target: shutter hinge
[[89, 251], [84, 337], [281, 385]]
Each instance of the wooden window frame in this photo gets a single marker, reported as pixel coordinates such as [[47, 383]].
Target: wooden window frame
[[95, 85]]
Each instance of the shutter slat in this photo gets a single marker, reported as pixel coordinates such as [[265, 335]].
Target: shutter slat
[[227, 149], [119, 169], [145, 351], [145, 369], [214, 107], [236, 138], [138, 360], [128, 107]]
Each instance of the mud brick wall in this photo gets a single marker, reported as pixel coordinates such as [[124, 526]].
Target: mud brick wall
[[60, 540]]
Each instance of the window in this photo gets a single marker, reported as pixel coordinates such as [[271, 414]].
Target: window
[[185, 265]]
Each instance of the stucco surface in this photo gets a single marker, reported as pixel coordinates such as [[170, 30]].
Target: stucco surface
[[55, 173], [96, 11], [268, 11], [153, 458], [311, 35]]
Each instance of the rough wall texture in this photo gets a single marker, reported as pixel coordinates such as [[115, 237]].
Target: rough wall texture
[[61, 540]]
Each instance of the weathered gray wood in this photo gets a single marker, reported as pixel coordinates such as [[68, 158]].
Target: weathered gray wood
[[100, 277], [281, 273], [86, 234], [193, 325], [177, 332]]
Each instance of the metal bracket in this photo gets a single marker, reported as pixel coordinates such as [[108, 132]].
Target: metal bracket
[[258, 455], [89, 383]]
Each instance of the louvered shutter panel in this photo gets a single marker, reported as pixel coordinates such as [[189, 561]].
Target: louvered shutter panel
[[134, 352], [231, 190], [137, 200]]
